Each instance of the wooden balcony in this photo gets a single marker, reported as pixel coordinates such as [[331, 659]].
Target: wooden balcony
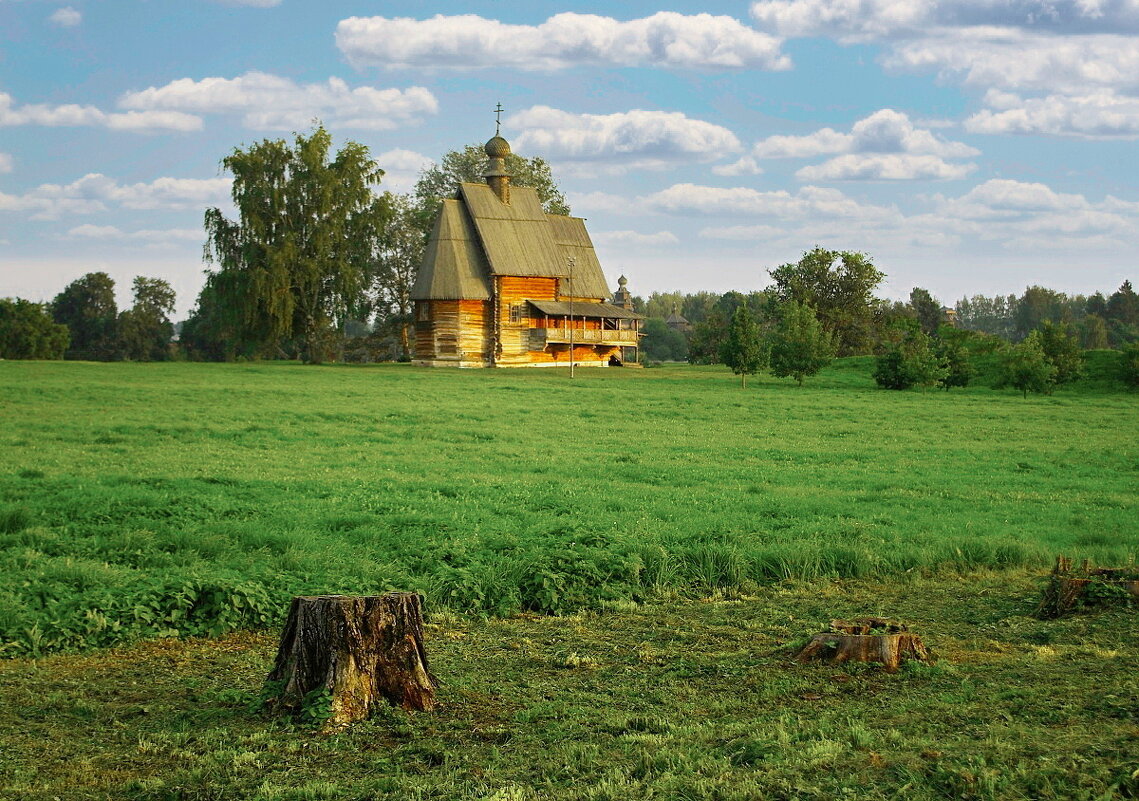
[[540, 337]]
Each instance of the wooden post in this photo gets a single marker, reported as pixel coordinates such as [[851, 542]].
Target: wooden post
[[352, 652]]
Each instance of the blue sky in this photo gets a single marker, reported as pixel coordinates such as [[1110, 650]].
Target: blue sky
[[969, 146]]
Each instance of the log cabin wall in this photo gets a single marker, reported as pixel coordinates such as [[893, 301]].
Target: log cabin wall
[[512, 294], [452, 333]]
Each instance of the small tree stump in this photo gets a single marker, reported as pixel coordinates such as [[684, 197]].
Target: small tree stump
[[1068, 586], [866, 639], [348, 653]]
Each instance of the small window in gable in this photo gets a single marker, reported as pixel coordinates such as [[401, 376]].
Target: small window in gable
[[517, 313]]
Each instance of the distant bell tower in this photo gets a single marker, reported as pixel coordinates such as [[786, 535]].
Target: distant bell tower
[[497, 149], [623, 297]]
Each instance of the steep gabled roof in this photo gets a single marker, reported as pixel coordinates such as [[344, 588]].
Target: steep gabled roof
[[477, 235], [454, 267]]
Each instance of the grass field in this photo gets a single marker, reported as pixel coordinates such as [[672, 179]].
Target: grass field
[[686, 533], [158, 499]]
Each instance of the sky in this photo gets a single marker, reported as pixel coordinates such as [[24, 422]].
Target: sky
[[968, 146]]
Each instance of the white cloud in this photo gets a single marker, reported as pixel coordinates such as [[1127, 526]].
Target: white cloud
[[635, 238], [634, 139], [95, 192], [743, 233], [66, 17], [270, 102], [401, 169], [745, 166], [72, 115], [1101, 115], [861, 20], [884, 167], [665, 39], [809, 202], [6, 163], [111, 233]]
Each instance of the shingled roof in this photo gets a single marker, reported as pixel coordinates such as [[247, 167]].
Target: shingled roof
[[477, 235]]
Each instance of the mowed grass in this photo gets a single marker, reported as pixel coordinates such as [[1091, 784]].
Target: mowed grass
[[689, 700], [156, 499]]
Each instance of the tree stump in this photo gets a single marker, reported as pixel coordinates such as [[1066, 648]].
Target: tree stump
[[1068, 587], [866, 639], [341, 655]]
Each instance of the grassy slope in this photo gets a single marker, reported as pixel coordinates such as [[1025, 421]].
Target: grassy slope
[[142, 499]]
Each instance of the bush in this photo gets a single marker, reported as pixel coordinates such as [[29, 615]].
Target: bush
[[1129, 365]]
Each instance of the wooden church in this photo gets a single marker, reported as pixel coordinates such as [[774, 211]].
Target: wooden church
[[504, 284]]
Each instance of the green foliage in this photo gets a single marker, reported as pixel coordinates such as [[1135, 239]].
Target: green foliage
[[927, 309], [145, 330], [661, 343], [911, 361], [1129, 365], [800, 346], [306, 229], [1063, 351], [252, 483], [839, 286], [28, 332], [87, 307], [316, 707], [1026, 367], [469, 165], [744, 349], [952, 347]]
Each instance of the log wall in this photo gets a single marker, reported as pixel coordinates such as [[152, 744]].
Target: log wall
[[456, 334]]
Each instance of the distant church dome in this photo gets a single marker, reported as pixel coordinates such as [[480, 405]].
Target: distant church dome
[[497, 148]]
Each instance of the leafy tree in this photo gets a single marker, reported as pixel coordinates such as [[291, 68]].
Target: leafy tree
[[1123, 305], [911, 361], [743, 350], [1129, 365], [469, 165], [145, 329], [663, 344], [27, 331], [927, 309], [707, 338], [87, 307], [1093, 332], [1036, 305], [953, 354], [1063, 351], [839, 286], [988, 315], [395, 264], [800, 346], [1026, 367], [305, 232]]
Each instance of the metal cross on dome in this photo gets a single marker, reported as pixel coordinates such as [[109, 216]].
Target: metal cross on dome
[[497, 117]]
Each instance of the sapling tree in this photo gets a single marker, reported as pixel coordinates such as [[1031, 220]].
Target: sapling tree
[[800, 346], [1026, 367], [743, 349], [1063, 350]]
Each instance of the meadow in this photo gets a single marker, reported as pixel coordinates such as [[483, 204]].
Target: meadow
[[141, 500], [616, 569]]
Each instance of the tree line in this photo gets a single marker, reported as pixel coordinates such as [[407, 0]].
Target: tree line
[[84, 322]]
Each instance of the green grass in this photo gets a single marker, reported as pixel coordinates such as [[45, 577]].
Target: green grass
[[153, 499], [694, 700]]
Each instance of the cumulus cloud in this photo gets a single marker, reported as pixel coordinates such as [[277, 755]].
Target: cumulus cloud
[[1080, 55], [808, 202], [665, 39], [401, 168], [275, 103], [861, 20], [635, 238], [884, 167], [6, 162], [745, 166], [1101, 115], [72, 115], [111, 233], [66, 17], [95, 192], [626, 140], [886, 146]]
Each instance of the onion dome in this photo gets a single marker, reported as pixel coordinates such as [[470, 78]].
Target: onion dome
[[497, 148]]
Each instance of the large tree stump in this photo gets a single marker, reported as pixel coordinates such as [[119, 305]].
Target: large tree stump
[[1068, 587], [866, 639], [344, 654]]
